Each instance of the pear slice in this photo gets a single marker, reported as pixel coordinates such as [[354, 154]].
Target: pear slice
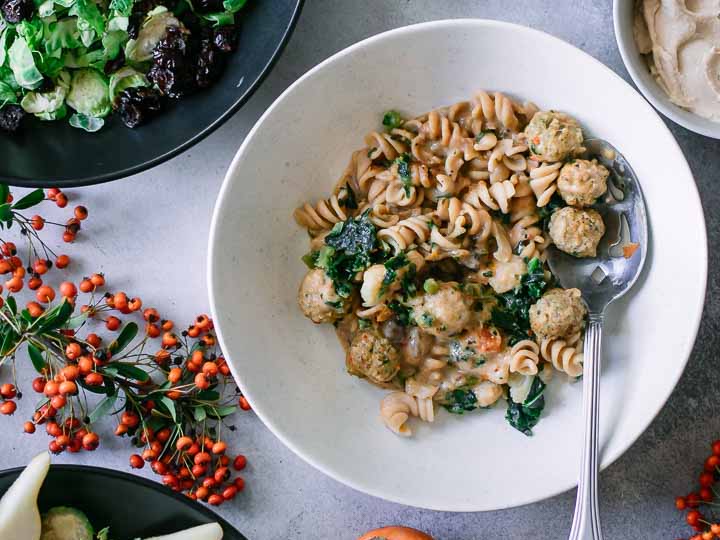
[[19, 514], [210, 531]]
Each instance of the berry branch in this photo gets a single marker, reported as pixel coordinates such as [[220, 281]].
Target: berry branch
[[173, 399], [707, 528]]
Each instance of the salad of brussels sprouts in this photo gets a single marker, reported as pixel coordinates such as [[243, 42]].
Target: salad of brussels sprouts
[[81, 60]]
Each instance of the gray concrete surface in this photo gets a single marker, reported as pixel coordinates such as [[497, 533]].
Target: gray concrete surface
[[149, 234]]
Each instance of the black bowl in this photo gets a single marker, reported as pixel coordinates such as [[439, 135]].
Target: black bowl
[[130, 505], [46, 154]]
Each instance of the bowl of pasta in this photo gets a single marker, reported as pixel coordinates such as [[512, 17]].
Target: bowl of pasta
[[379, 280]]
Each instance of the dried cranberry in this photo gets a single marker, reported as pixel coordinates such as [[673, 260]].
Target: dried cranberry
[[136, 105], [210, 64], [173, 63], [10, 117], [15, 11], [225, 38]]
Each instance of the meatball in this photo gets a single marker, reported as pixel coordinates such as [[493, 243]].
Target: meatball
[[372, 356], [444, 312], [576, 231], [559, 313], [318, 299], [581, 182], [553, 136]]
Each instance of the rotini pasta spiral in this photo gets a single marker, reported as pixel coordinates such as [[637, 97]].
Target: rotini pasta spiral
[[383, 145], [414, 230], [565, 355], [322, 216], [396, 409], [524, 357], [543, 181]]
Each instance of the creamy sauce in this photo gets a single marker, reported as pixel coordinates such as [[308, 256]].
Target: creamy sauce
[[681, 40]]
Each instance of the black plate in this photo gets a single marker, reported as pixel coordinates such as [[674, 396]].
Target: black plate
[[131, 505], [49, 154]]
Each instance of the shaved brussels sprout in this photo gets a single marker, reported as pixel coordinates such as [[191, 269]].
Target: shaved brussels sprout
[[89, 93]]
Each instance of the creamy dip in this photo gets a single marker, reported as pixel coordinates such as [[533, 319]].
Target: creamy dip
[[681, 41]]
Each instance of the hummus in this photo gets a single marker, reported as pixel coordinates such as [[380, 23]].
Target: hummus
[[681, 41]]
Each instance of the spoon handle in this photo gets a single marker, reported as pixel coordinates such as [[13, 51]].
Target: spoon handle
[[586, 522]]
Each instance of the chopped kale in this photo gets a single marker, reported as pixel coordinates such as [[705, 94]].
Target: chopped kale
[[353, 236], [525, 416], [392, 120], [392, 265], [460, 401], [512, 313], [402, 313], [310, 259], [407, 283], [403, 163], [348, 201], [556, 201]]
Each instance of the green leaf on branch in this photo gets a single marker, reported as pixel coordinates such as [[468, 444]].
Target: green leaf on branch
[[102, 408], [169, 405], [123, 340], [208, 395], [11, 304], [199, 413], [55, 318], [31, 199], [9, 341], [4, 192], [221, 412], [6, 213], [127, 370], [75, 322], [36, 358]]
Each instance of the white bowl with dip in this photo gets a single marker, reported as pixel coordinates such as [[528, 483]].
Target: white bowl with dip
[[637, 66]]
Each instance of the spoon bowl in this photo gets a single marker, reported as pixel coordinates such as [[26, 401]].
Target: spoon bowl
[[622, 250]]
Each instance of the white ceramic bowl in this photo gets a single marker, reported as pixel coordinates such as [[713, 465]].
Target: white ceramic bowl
[[293, 371], [637, 67]]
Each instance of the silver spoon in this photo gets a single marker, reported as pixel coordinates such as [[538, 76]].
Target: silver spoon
[[621, 256]]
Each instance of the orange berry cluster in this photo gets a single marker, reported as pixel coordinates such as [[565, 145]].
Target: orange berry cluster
[[705, 528], [171, 403], [197, 466]]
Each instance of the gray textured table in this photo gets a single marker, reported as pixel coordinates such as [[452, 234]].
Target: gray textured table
[[149, 234]]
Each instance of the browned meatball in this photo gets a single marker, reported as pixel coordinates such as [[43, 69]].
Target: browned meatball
[[582, 181], [553, 136], [559, 313], [318, 299], [372, 356], [577, 231], [443, 313]]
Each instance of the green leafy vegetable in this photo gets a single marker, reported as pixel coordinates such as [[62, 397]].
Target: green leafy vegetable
[[403, 163], [512, 312], [23, 65], [403, 313], [48, 105], [460, 401], [392, 120], [525, 416], [233, 6], [88, 123], [353, 236], [89, 93]]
